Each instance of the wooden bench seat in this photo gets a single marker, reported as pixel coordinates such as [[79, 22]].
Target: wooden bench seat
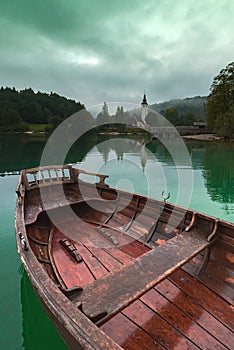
[[103, 298]]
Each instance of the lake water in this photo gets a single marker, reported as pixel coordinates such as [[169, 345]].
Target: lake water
[[206, 183]]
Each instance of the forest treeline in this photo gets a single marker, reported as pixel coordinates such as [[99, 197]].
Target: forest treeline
[[38, 111], [19, 109]]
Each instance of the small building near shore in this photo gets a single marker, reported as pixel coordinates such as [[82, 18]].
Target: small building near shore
[[200, 125]]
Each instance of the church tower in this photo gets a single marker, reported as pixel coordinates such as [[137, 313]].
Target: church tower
[[144, 108]]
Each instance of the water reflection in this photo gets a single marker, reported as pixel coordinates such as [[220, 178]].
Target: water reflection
[[20, 151], [218, 172], [216, 162], [214, 159], [38, 331]]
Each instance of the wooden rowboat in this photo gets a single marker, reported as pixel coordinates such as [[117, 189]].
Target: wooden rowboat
[[115, 270]]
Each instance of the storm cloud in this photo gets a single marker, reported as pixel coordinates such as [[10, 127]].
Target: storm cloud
[[96, 50]]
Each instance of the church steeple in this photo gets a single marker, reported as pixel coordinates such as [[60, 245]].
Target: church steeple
[[144, 108], [144, 102]]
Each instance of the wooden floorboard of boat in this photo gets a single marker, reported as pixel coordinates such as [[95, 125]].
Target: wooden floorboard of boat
[[109, 261], [72, 273], [180, 321], [171, 310], [226, 257], [209, 300], [129, 335], [195, 311], [136, 279], [158, 328], [217, 277], [119, 255], [96, 263], [170, 318], [134, 248]]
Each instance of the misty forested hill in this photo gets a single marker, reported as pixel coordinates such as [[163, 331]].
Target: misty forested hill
[[195, 105]]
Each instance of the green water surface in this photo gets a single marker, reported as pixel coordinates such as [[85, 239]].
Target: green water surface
[[134, 165]]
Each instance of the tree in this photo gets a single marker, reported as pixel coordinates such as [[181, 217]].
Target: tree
[[103, 117], [224, 123], [221, 98], [9, 118], [172, 115], [120, 116], [54, 121], [188, 119]]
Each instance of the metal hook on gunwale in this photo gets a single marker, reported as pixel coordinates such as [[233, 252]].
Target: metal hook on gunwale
[[165, 198], [23, 242]]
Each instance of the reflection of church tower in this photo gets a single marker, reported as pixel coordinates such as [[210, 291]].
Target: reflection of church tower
[[143, 157], [144, 108]]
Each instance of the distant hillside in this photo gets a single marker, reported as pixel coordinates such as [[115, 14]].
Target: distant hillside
[[195, 105]]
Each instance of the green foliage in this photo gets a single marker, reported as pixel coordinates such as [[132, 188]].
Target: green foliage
[[195, 105], [115, 123], [9, 118], [54, 121], [37, 127], [22, 126], [188, 119], [33, 108], [220, 102], [224, 124], [172, 115], [180, 120]]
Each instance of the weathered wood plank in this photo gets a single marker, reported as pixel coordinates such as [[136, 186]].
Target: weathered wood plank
[[72, 273], [157, 327], [119, 289], [180, 321], [118, 254], [134, 248], [196, 312], [217, 306], [96, 268], [106, 259], [129, 335], [213, 275]]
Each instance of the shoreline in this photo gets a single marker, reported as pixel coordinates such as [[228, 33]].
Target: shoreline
[[203, 137], [199, 137]]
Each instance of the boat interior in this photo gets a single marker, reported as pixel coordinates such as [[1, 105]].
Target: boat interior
[[149, 274]]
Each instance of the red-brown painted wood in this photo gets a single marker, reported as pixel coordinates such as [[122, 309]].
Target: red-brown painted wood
[[97, 269], [129, 335], [215, 276], [180, 321], [136, 279], [196, 312], [118, 254], [106, 259], [134, 248], [217, 306], [157, 327], [72, 273]]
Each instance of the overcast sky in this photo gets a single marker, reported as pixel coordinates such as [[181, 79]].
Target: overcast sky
[[113, 50]]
